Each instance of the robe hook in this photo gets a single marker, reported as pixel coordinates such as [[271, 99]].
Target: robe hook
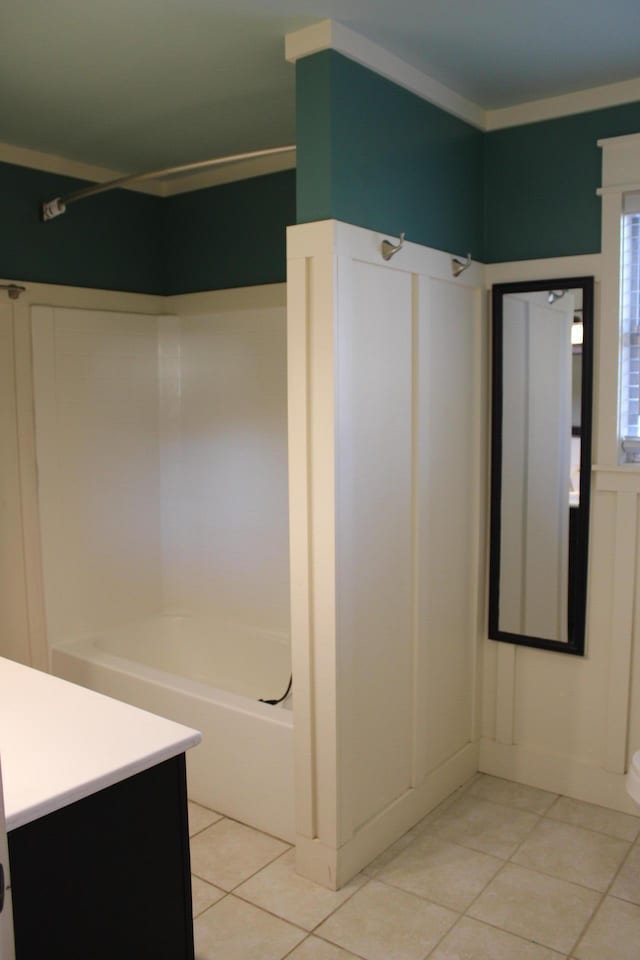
[[388, 249], [13, 289], [459, 266]]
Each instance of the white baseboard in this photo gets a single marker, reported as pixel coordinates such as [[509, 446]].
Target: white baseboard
[[558, 774], [333, 868]]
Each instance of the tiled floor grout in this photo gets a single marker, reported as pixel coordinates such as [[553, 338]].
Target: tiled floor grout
[[250, 876], [414, 834], [606, 894]]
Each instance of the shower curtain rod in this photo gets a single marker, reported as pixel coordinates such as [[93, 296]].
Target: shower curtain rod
[[53, 208]]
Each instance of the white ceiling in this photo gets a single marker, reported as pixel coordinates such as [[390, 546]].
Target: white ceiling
[[137, 84]]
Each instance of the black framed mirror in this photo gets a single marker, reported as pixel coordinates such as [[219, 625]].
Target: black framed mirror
[[541, 420]]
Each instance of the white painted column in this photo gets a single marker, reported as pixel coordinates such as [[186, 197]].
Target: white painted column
[[386, 472]]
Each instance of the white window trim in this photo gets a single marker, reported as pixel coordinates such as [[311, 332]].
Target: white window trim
[[620, 175]]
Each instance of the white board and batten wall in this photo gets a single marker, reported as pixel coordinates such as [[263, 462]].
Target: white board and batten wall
[[563, 723], [387, 479]]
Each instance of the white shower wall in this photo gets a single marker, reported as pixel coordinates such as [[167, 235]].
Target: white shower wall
[[162, 459], [224, 465], [96, 386]]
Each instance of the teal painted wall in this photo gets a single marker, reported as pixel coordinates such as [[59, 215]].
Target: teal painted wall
[[314, 138], [111, 242], [376, 155], [233, 235], [541, 181]]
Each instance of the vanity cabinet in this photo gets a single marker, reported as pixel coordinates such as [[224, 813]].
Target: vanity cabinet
[[96, 809], [109, 875]]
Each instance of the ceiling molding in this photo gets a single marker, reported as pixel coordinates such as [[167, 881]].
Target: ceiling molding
[[167, 187], [330, 35], [595, 98], [51, 163], [620, 164]]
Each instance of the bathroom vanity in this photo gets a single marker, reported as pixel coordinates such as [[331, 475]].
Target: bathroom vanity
[[96, 812]]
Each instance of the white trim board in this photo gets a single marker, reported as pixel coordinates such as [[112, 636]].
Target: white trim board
[[556, 773], [169, 187], [549, 108], [90, 298], [513, 271], [329, 35]]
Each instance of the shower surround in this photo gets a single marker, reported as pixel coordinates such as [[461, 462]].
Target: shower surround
[[162, 452]]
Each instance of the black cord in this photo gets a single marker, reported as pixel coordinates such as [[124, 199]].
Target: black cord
[[284, 696]]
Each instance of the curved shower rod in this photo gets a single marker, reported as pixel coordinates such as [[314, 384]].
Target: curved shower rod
[[54, 208]]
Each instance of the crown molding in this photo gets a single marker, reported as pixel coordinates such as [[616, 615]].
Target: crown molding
[[168, 187], [330, 35], [52, 163], [550, 108]]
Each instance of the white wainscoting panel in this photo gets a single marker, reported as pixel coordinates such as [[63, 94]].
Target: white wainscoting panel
[[374, 513], [387, 487], [449, 430], [564, 723]]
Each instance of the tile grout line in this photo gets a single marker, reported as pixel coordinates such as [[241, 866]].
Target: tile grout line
[[234, 892], [604, 896], [540, 818], [561, 796], [465, 790], [197, 833], [223, 816]]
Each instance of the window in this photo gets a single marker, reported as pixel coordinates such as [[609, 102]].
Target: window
[[630, 328], [618, 407]]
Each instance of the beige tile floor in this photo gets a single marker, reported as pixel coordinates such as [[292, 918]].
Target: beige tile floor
[[499, 871]]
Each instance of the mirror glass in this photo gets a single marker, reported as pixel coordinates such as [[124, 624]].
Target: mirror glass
[[541, 458]]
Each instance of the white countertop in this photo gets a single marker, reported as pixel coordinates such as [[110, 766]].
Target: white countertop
[[60, 742]]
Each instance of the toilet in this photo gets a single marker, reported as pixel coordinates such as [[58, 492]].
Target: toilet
[[633, 778]]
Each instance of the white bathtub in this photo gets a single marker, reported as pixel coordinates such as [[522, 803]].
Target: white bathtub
[[209, 676]]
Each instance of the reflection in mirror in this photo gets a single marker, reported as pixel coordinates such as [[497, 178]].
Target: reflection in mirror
[[541, 450]]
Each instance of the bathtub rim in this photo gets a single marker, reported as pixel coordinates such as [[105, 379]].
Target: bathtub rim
[[87, 651]]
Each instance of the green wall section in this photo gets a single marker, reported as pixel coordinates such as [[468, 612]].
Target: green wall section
[[111, 242], [314, 138], [227, 236], [541, 181], [376, 155], [373, 154], [232, 235]]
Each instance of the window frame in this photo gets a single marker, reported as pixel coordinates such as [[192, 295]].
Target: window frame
[[620, 173]]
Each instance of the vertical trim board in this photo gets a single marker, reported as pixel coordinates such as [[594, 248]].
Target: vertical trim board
[[418, 732], [322, 487], [299, 477], [624, 578], [505, 692]]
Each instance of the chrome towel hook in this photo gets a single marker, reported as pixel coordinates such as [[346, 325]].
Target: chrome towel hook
[[388, 249], [13, 289], [459, 266]]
